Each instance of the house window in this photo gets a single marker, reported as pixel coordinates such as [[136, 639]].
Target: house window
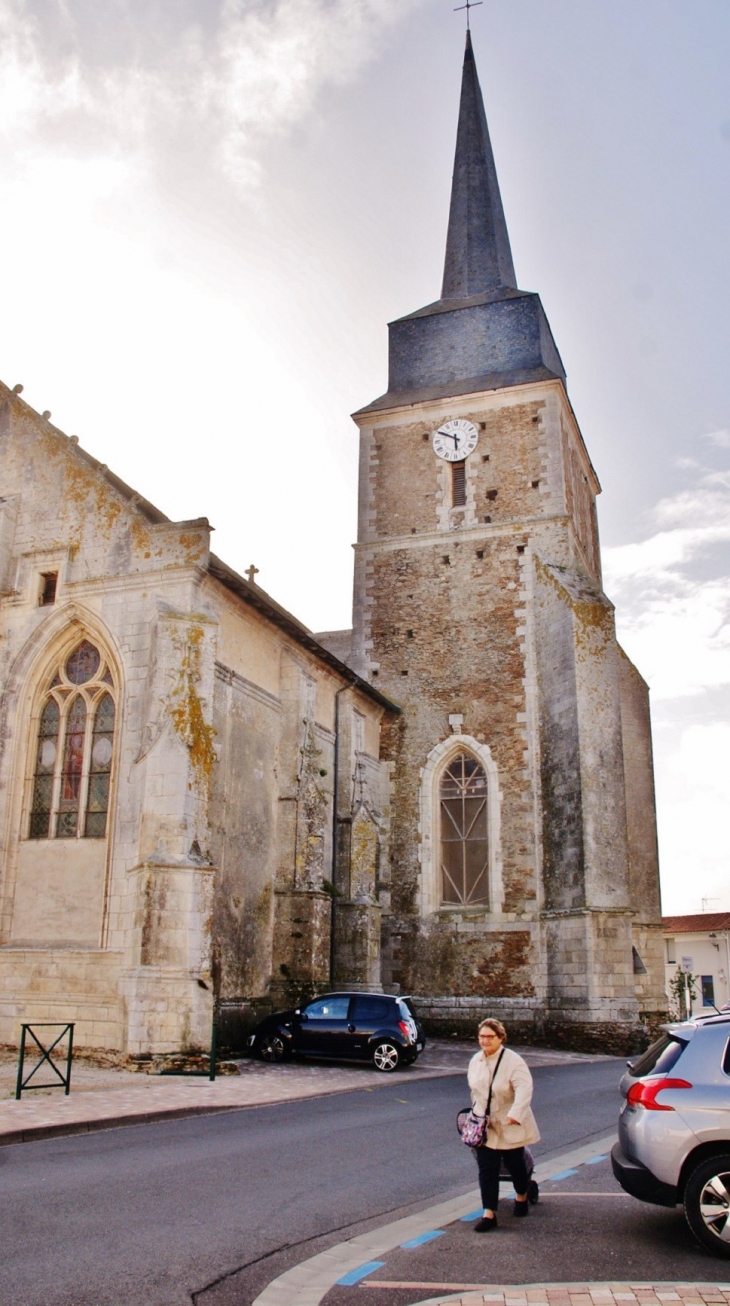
[[708, 991], [671, 951], [463, 797], [458, 485], [75, 746]]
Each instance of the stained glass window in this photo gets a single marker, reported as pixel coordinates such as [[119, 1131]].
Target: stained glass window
[[464, 833], [83, 663], [97, 802], [73, 759], [40, 816], [75, 750]]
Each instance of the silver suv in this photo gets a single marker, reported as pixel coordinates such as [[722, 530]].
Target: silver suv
[[674, 1126]]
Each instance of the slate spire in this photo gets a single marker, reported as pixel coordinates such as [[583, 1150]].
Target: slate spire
[[478, 255]]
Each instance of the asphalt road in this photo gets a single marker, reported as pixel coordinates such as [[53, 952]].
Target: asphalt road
[[160, 1214], [583, 1229]]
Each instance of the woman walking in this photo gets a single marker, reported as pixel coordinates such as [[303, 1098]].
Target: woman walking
[[511, 1122]]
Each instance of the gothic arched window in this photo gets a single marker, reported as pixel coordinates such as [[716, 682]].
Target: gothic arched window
[[463, 794], [74, 750]]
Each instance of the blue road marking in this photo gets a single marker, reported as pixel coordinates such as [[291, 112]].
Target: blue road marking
[[564, 1174], [423, 1238], [473, 1215], [361, 1272], [593, 1160]]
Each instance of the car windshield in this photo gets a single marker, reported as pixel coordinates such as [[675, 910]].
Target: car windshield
[[659, 1058]]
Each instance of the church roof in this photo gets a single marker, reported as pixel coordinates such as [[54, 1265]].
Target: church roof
[[252, 593], [484, 333]]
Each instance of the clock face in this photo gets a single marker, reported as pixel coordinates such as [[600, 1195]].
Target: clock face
[[455, 439]]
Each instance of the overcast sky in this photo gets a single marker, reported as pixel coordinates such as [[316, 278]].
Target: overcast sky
[[210, 209]]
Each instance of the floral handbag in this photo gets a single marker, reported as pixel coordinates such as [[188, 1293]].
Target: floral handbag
[[473, 1127]]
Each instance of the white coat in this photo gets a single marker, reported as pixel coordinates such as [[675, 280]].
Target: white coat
[[511, 1096]]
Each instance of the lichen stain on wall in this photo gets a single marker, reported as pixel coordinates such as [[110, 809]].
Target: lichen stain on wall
[[442, 962], [186, 710], [153, 905], [364, 849], [89, 495], [140, 536], [311, 817], [243, 930], [195, 545]]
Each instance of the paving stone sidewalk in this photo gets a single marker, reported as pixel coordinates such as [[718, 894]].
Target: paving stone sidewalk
[[103, 1097], [586, 1294]]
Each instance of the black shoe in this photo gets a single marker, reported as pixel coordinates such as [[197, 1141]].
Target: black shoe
[[522, 1208], [485, 1224]]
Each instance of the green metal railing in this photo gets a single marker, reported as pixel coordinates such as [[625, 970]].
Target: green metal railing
[[45, 1057]]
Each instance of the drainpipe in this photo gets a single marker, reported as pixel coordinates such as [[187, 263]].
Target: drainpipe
[[335, 794]]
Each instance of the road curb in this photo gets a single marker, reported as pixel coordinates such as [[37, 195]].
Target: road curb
[[308, 1282], [66, 1129], [39, 1133]]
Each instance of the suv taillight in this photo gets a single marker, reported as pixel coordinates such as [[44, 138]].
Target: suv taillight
[[644, 1093], [405, 1031]]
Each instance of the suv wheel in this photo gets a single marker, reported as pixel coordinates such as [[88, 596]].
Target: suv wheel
[[707, 1203], [272, 1048], [386, 1057]]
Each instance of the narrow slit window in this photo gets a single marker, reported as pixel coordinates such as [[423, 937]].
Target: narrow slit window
[[47, 596], [458, 484]]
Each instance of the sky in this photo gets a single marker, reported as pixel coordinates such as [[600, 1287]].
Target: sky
[[210, 209]]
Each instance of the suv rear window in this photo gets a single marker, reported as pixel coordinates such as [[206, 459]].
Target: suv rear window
[[406, 1010], [659, 1058]]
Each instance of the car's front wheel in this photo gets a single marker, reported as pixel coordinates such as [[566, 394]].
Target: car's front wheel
[[707, 1203], [386, 1057], [271, 1047]]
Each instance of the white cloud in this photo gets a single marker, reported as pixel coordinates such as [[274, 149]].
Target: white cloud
[[692, 793], [673, 595], [721, 438], [232, 73]]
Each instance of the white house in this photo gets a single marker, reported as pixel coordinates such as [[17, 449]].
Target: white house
[[700, 944]]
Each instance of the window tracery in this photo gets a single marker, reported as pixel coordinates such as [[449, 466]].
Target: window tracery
[[460, 848], [75, 748], [464, 830]]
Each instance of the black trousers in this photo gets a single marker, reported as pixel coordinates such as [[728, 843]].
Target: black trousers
[[489, 1160]]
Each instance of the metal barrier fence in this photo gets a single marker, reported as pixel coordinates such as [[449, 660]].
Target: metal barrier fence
[[45, 1057]]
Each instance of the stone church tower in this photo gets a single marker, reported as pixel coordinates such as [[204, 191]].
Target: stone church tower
[[524, 870]]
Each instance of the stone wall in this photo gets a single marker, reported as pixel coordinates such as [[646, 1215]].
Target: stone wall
[[213, 882], [487, 623]]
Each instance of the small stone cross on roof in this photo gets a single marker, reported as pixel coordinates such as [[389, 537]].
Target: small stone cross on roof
[[251, 572], [470, 4]]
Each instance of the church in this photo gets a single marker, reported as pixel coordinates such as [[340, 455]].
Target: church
[[208, 811]]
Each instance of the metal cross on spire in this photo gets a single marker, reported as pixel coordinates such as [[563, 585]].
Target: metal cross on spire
[[470, 4]]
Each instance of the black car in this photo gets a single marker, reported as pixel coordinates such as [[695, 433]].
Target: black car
[[344, 1026]]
